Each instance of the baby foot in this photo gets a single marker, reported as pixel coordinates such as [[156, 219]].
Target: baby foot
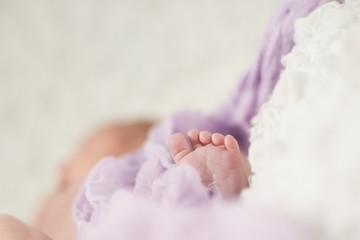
[[216, 157]]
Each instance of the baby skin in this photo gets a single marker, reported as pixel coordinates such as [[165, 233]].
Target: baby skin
[[216, 157]]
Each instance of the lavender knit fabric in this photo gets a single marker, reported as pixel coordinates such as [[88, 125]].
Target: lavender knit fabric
[[144, 196]]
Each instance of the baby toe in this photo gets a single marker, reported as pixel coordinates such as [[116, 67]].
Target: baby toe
[[178, 146], [231, 144], [205, 137], [193, 135]]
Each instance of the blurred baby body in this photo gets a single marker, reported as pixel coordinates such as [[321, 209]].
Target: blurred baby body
[[114, 139]]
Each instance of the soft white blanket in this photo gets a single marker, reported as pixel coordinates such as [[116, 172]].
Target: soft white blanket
[[305, 144]]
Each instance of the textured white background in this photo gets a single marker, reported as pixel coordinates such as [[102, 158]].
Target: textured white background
[[67, 66]]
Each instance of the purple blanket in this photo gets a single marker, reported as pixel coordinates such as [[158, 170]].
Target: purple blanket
[[143, 196]]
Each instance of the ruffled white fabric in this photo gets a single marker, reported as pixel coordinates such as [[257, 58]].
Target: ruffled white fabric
[[305, 141]]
